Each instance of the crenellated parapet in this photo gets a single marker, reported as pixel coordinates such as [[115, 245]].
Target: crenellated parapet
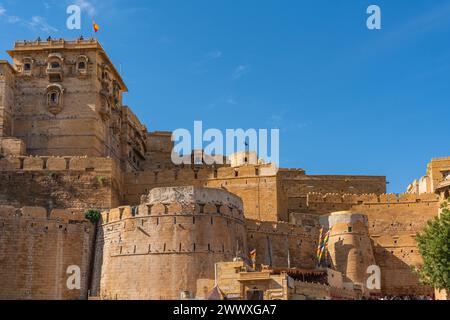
[[42, 214], [328, 202], [188, 174], [38, 163], [185, 201], [366, 199]]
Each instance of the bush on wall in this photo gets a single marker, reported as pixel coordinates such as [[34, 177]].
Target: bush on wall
[[93, 215]]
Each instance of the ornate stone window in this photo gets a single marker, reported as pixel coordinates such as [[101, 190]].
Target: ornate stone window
[[54, 67], [54, 97], [27, 66], [82, 65]]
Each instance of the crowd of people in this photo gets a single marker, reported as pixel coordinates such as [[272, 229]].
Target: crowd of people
[[408, 297]]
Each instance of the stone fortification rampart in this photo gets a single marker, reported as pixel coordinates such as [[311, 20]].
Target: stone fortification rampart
[[37, 247]]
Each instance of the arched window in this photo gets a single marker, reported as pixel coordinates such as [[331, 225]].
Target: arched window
[[54, 98], [27, 65], [82, 63]]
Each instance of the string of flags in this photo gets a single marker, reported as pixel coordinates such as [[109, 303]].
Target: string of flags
[[322, 248], [319, 246]]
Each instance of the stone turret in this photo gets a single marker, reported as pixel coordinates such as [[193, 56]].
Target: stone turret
[[159, 249], [350, 247]]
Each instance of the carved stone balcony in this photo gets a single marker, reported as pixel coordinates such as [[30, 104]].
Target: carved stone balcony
[[55, 74]]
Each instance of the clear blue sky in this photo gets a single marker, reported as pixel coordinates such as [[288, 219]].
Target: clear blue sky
[[347, 100]]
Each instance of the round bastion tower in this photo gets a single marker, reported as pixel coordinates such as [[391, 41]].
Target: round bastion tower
[[350, 246], [160, 248]]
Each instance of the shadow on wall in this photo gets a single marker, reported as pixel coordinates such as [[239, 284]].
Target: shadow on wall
[[398, 278], [97, 263], [341, 260]]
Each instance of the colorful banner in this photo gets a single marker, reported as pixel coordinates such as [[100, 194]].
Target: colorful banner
[[324, 246], [319, 246]]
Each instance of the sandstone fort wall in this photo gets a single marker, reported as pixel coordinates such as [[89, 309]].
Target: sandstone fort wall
[[295, 185], [53, 182], [283, 244], [36, 249]]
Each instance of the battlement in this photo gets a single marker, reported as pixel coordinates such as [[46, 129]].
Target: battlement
[[56, 43], [189, 174], [40, 213], [370, 199], [161, 210], [38, 163], [291, 173], [181, 201]]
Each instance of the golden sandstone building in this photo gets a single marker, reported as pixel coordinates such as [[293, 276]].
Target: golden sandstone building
[[68, 145]]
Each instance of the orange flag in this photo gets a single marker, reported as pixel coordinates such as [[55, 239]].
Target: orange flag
[[96, 27]]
